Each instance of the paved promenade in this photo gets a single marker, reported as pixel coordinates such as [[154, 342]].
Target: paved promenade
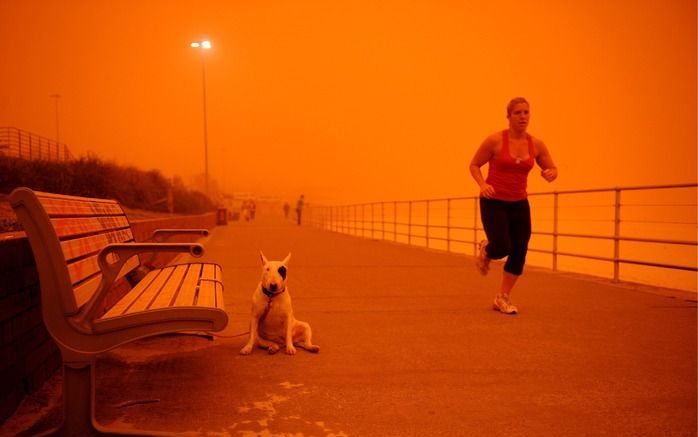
[[411, 347]]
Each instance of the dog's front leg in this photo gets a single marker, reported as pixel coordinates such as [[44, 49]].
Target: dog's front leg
[[290, 348], [254, 324]]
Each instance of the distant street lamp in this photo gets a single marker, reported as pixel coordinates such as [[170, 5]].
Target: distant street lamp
[[58, 136], [203, 46]]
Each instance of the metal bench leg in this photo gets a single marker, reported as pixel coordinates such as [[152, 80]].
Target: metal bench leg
[[79, 406]]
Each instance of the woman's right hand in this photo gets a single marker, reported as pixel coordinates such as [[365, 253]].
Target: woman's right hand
[[487, 191]]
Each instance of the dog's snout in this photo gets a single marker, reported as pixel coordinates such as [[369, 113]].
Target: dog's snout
[[273, 286]]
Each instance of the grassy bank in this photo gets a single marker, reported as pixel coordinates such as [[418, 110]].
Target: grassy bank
[[91, 177]]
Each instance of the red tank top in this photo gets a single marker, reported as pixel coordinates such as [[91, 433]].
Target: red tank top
[[508, 176]]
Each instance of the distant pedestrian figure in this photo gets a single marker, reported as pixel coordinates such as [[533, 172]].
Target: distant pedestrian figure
[[504, 208], [287, 208], [299, 208], [253, 208]]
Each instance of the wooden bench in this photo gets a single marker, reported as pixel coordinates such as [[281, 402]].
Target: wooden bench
[[81, 247]]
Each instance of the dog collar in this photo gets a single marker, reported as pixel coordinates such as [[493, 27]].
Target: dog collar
[[270, 294]]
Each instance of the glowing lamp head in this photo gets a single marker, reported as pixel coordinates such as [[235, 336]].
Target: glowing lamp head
[[201, 44]]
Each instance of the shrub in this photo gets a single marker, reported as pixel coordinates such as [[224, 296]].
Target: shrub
[[91, 177]]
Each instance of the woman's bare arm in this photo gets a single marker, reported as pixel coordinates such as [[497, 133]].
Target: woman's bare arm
[[482, 156]]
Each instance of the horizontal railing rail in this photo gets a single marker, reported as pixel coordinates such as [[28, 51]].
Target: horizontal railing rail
[[19, 143], [652, 215]]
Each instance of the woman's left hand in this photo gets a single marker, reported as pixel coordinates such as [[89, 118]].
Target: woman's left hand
[[549, 174]]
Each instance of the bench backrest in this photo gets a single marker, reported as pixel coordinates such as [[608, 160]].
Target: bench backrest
[[66, 234]]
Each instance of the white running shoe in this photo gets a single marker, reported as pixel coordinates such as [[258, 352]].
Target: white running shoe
[[481, 261], [502, 304]]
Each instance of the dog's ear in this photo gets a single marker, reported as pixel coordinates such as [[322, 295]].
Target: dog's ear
[[264, 258], [288, 257]]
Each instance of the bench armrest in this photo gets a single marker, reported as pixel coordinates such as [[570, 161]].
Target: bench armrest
[[124, 251], [110, 270], [162, 235]]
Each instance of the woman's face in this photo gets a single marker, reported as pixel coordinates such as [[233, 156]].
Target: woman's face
[[518, 119]]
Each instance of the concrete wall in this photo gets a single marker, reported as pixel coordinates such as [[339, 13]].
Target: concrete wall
[[28, 355]]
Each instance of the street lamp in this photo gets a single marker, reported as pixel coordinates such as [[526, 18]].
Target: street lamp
[[58, 136], [203, 46]]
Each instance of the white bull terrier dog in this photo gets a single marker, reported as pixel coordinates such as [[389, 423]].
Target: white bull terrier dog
[[272, 323]]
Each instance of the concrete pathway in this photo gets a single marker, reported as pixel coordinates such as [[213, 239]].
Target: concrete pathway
[[411, 347]]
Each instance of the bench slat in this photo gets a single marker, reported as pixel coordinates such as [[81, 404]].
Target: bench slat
[[84, 291], [122, 305], [207, 289], [173, 286], [169, 290], [219, 297], [83, 269], [82, 246], [187, 293], [219, 286], [207, 294], [67, 205], [87, 267], [66, 227], [151, 291]]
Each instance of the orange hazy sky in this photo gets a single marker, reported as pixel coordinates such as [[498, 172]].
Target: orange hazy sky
[[358, 100]]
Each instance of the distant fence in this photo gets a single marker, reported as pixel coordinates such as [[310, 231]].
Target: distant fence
[[19, 143], [649, 226]]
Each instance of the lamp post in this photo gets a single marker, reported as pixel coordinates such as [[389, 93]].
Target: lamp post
[[58, 136], [203, 46]]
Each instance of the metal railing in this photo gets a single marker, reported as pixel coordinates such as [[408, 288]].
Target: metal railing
[[19, 143], [631, 217]]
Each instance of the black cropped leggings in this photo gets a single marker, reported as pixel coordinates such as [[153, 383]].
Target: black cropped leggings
[[508, 229]]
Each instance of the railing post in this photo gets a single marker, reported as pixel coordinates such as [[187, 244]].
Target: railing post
[[409, 224], [363, 219], [358, 220], [448, 224], [616, 239], [427, 225], [395, 220], [555, 220], [353, 221], [373, 223], [383, 220]]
